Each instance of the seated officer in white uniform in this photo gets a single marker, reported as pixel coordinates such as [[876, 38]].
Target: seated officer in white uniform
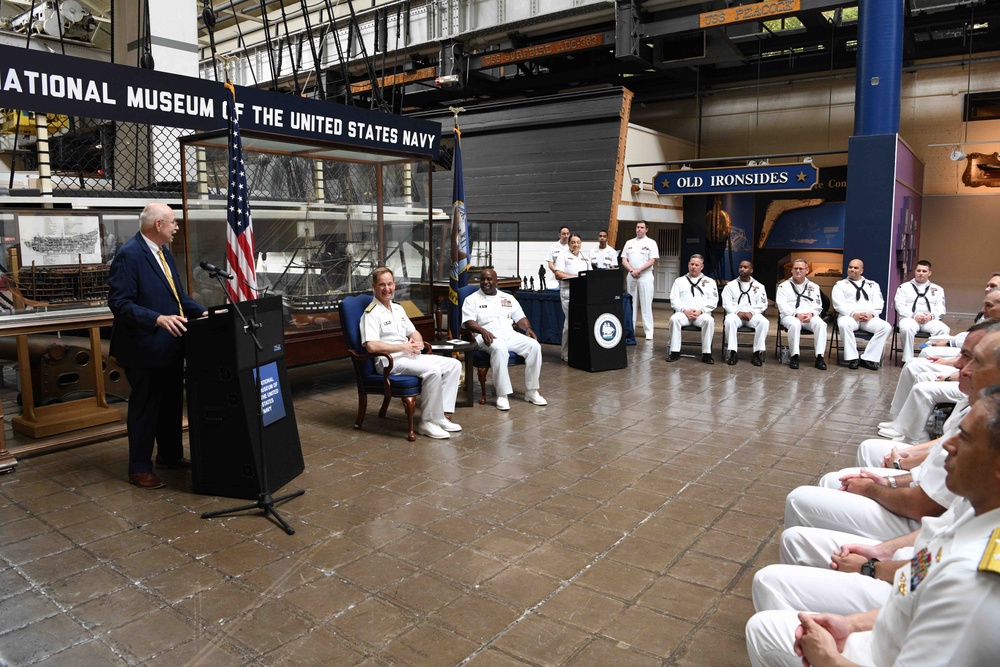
[[693, 297], [880, 507], [920, 307], [938, 352], [745, 301], [799, 306], [385, 329], [604, 257], [943, 604], [859, 303], [491, 316]]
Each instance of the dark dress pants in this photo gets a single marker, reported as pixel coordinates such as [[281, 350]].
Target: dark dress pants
[[154, 414]]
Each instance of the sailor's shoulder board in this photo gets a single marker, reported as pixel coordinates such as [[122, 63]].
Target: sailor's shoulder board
[[371, 306], [991, 557]]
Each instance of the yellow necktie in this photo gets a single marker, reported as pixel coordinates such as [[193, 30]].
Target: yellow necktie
[[170, 279]]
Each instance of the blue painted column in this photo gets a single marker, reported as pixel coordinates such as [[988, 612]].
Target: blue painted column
[[871, 171], [879, 67]]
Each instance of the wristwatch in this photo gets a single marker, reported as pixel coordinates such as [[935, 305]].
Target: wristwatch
[[868, 569], [891, 480], [895, 463]]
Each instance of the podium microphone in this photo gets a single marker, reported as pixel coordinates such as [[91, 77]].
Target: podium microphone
[[216, 271]]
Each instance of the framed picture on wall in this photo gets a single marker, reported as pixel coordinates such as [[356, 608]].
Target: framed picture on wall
[[59, 239]]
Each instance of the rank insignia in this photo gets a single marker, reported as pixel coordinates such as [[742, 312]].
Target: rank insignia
[[505, 303], [902, 583], [920, 564], [991, 557]]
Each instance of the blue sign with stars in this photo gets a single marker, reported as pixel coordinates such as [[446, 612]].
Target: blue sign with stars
[[764, 178]]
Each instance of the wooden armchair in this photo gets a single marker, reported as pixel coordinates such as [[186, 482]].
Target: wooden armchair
[[370, 380]]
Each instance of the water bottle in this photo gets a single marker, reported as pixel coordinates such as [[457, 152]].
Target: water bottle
[[938, 422], [784, 355]]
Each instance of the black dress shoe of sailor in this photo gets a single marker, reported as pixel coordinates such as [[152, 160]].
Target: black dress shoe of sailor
[[793, 362], [852, 364], [707, 359], [870, 365], [673, 356], [820, 363], [731, 357], [757, 359]]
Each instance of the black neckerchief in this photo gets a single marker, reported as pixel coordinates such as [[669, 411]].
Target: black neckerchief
[[802, 295], [694, 286], [921, 295], [860, 290]]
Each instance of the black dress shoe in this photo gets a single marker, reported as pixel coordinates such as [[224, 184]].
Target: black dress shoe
[[673, 356], [852, 364], [731, 358], [870, 365], [146, 480], [820, 363], [708, 359], [757, 359], [793, 362], [177, 464]]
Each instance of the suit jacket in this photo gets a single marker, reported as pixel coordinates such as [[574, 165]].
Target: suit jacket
[[138, 294]]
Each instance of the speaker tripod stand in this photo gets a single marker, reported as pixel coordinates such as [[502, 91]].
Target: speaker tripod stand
[[265, 501]]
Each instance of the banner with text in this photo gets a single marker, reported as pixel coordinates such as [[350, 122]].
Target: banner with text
[[52, 83], [766, 178]]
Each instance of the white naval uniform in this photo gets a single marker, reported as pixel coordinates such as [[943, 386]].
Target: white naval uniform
[[941, 609], [793, 299], [573, 265], [912, 298], [839, 510], [912, 418], [439, 376], [920, 370], [847, 301], [949, 351], [737, 297], [872, 452], [638, 252], [555, 250], [604, 258], [498, 314], [700, 293]]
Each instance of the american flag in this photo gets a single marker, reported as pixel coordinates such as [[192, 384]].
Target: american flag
[[239, 232]]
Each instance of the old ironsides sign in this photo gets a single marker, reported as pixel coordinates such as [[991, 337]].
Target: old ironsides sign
[[766, 178]]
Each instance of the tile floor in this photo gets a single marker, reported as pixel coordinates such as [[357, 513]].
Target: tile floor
[[619, 525]]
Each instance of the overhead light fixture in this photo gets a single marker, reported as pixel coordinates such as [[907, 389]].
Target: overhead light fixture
[[957, 155]]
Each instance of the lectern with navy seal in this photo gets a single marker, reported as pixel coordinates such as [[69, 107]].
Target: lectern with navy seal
[[596, 330]]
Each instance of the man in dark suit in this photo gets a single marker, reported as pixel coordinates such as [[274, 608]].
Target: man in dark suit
[[151, 309]]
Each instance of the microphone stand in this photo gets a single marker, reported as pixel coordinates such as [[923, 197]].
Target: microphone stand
[[264, 500]]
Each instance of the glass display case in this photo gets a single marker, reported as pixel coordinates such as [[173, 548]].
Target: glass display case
[[323, 218]]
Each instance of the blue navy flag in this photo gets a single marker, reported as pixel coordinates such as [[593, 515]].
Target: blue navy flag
[[239, 233], [458, 276]]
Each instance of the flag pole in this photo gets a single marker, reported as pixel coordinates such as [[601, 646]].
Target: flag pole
[[458, 275]]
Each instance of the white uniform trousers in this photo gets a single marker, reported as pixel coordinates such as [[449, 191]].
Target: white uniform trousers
[[877, 327], [758, 323], [840, 510], [908, 329], [813, 547], [705, 321], [771, 638], [872, 452], [564, 301], [918, 406], [439, 378], [940, 351], [831, 480], [794, 326], [641, 289], [817, 589], [500, 351], [919, 370]]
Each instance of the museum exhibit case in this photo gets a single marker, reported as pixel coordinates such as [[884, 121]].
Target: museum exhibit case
[[324, 216]]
